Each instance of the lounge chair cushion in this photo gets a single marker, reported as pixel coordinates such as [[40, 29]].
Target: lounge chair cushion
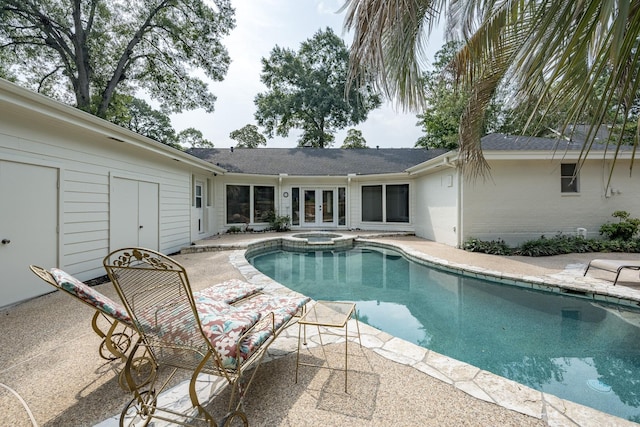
[[283, 307], [230, 291], [91, 296], [614, 264], [222, 324]]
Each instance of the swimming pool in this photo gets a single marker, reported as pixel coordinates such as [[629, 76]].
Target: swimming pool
[[576, 349]]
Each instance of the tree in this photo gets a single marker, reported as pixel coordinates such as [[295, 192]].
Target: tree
[[87, 51], [553, 52], [306, 90], [444, 102], [248, 136], [137, 115], [354, 139], [194, 138]]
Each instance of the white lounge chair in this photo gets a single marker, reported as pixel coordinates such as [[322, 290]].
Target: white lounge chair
[[614, 266]]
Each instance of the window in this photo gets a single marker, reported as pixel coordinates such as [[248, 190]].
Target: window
[[385, 203], [249, 204], [263, 203], [397, 203], [198, 195], [372, 203], [342, 206], [568, 178], [295, 206], [238, 204]]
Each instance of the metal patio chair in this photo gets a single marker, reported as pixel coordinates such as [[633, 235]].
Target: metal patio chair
[[197, 333], [613, 266]]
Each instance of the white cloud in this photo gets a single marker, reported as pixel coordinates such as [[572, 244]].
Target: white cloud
[[260, 26]]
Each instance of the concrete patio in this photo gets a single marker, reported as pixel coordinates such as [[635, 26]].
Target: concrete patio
[[48, 356]]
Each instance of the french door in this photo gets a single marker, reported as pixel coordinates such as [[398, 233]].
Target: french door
[[319, 207]]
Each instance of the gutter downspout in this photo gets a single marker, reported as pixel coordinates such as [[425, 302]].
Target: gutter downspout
[[460, 182], [459, 230]]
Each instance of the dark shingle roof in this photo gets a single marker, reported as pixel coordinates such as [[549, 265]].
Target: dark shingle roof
[[501, 142], [315, 161], [370, 161]]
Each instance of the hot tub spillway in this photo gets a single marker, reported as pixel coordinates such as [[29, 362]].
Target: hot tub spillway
[[318, 241]]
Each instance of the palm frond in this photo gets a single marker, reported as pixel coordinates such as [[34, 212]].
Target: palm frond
[[388, 45]]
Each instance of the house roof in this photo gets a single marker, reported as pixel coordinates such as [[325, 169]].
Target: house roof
[[502, 142], [315, 161], [341, 162]]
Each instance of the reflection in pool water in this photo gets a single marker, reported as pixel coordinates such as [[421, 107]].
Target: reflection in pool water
[[581, 351]]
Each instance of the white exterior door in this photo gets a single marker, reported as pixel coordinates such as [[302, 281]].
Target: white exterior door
[[319, 207], [28, 228], [134, 214], [199, 205]]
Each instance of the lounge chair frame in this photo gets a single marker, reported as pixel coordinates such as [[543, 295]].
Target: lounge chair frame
[[171, 322], [613, 265], [117, 337]]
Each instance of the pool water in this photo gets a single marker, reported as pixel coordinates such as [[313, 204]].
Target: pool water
[[573, 348]]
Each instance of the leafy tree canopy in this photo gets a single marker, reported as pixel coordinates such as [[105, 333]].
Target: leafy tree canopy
[[193, 138], [306, 90], [354, 139], [137, 115], [248, 136], [84, 52]]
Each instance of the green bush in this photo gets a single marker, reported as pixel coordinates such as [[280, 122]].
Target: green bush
[[619, 245], [624, 229], [234, 229], [494, 247], [278, 222], [557, 245]]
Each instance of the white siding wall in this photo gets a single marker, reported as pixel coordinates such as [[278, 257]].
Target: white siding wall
[[437, 206], [86, 161], [523, 201]]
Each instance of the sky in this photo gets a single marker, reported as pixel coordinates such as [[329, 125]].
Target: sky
[[260, 26]]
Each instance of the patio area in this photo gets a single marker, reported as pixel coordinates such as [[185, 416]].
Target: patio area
[[48, 356]]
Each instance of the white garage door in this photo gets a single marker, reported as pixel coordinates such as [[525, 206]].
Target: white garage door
[[28, 228]]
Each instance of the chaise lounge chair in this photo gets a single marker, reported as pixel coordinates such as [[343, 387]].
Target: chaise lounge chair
[[613, 265], [114, 326], [193, 333]]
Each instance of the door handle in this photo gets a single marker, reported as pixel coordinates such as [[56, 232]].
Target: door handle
[[6, 241], [141, 227]]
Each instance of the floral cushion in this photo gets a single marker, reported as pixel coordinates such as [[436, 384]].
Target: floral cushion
[[91, 296], [230, 291], [222, 324], [283, 309]]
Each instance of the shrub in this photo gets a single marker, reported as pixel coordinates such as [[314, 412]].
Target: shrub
[[279, 222], [234, 229], [557, 245], [494, 247], [619, 245], [624, 229]]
